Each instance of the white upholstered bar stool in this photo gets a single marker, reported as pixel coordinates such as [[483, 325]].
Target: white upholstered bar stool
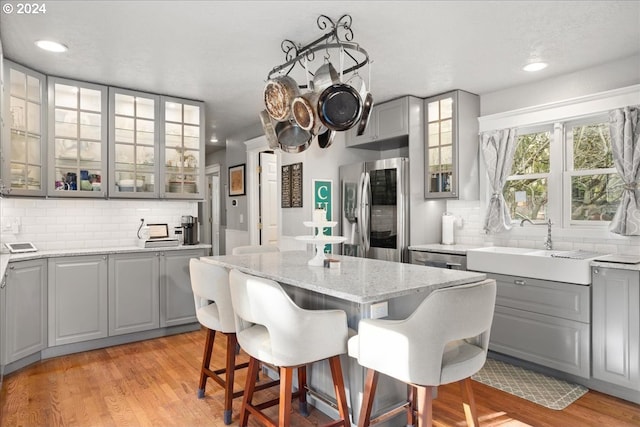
[[254, 249], [210, 284], [444, 340], [271, 328]]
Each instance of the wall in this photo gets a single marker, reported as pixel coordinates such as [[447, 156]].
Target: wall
[[622, 73], [614, 75], [72, 224]]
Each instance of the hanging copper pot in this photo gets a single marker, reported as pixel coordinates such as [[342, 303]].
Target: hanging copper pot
[[279, 93]]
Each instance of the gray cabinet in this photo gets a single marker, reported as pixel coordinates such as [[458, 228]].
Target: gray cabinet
[[176, 297], [77, 299], [133, 292], [24, 296], [616, 326], [388, 127], [543, 322], [451, 146]]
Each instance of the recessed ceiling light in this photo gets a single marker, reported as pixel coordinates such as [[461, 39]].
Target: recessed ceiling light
[[51, 46], [213, 139], [535, 66]]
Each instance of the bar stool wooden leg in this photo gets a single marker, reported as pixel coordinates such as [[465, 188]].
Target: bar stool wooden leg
[[284, 409], [302, 397], [371, 383], [411, 407], [469, 403], [249, 388], [230, 374], [425, 403], [206, 360], [338, 385]]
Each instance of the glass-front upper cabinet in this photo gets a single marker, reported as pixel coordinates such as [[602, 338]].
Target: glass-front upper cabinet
[[24, 141], [182, 172], [451, 146], [78, 139], [134, 144]]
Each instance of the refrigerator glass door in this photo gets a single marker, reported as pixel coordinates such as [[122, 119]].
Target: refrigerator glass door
[[384, 208]]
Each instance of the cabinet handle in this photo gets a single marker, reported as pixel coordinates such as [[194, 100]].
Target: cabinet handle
[[12, 267], [520, 282], [4, 283], [596, 271], [104, 258]]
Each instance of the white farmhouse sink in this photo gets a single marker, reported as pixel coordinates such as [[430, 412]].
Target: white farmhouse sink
[[524, 262]]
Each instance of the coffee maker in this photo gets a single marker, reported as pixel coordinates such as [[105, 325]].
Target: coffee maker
[[190, 229]]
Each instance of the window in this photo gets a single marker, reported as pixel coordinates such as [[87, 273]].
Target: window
[[526, 190], [595, 188], [564, 172]]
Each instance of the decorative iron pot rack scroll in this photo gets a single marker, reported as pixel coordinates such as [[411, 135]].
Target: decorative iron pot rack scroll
[[339, 37]]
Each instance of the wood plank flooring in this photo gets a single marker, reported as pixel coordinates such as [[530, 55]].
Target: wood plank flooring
[[153, 383]]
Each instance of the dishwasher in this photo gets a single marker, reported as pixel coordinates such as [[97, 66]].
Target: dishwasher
[[439, 260]]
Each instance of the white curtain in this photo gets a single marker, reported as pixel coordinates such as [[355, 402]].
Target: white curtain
[[497, 149], [624, 126]]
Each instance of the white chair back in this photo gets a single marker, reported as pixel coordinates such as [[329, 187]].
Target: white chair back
[[254, 249], [210, 285], [421, 346], [273, 329]]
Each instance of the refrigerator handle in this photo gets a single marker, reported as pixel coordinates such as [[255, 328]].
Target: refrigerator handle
[[365, 213], [359, 217]]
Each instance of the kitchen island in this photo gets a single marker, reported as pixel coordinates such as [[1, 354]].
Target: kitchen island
[[363, 288]]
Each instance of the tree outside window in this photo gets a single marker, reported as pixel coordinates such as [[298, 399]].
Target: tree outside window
[[526, 190]]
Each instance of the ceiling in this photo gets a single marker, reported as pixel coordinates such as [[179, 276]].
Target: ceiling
[[221, 52]]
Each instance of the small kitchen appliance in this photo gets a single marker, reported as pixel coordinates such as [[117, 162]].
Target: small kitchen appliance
[[190, 230], [157, 236]]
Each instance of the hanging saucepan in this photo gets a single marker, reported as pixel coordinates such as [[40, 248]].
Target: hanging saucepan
[[325, 76], [303, 110], [325, 137], [367, 105], [278, 95], [291, 137], [339, 107], [269, 130]]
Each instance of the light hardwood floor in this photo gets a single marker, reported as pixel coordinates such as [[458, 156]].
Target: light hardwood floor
[[153, 383]]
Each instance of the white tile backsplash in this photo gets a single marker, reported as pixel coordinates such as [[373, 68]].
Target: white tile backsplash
[[71, 224], [597, 240]]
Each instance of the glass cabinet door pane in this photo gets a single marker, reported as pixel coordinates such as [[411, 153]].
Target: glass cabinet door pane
[[446, 108], [90, 99], [18, 148], [433, 111], [34, 156], [33, 90], [66, 125], [124, 104], [192, 114], [17, 107], [173, 112], [145, 108], [90, 126], [66, 96], [33, 117]]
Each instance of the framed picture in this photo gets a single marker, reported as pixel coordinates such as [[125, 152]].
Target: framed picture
[[236, 180]]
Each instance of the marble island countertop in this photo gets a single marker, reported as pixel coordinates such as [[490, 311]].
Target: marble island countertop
[[5, 258], [441, 248], [359, 280]]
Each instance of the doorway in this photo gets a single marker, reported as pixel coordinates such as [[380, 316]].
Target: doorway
[[211, 211], [268, 195], [263, 198]]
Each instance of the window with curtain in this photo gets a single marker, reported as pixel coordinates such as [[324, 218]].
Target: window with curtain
[[564, 171], [595, 186], [527, 188]]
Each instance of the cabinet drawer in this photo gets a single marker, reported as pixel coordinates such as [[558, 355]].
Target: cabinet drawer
[[548, 341], [564, 300]]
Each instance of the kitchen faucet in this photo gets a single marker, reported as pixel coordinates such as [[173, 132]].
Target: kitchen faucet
[[548, 243]]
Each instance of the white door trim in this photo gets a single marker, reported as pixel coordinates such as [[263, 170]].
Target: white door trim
[[254, 147]]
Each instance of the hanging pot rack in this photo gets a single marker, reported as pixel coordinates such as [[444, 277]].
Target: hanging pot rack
[[338, 38]]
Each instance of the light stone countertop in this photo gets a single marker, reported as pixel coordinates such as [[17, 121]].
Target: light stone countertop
[[617, 265], [5, 258], [359, 280], [444, 249]]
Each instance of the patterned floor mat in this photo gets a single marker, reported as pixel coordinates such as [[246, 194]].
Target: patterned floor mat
[[538, 388]]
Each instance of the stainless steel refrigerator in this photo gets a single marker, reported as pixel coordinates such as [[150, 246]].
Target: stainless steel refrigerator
[[374, 206]]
